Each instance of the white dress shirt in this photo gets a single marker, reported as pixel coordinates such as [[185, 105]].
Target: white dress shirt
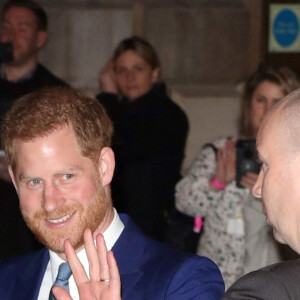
[[110, 235]]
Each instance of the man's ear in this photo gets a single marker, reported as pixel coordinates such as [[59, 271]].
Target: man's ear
[[41, 39], [12, 176], [106, 165]]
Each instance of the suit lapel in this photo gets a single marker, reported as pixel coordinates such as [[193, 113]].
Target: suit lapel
[[28, 282], [128, 252]]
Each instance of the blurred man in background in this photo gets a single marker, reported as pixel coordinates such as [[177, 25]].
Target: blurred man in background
[[23, 34]]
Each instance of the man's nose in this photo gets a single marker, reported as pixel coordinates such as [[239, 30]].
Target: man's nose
[[51, 197], [256, 190]]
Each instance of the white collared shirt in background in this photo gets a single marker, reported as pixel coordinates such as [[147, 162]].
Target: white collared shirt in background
[[110, 235]]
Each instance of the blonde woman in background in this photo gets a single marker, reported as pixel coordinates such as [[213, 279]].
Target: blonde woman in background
[[235, 235]]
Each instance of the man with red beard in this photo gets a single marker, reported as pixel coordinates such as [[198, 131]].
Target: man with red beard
[[57, 143]]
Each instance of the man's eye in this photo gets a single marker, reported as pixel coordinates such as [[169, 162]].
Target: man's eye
[[67, 176], [139, 69], [34, 182]]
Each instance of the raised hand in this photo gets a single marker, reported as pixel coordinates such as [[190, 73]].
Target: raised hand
[[104, 282], [107, 78], [226, 163], [249, 180]]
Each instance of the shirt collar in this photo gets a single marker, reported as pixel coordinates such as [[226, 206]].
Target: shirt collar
[[27, 76]]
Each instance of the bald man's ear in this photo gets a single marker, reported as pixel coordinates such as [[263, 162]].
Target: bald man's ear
[[106, 165]]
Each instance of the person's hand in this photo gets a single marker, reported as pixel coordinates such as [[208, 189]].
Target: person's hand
[[226, 163], [4, 174], [107, 78], [249, 180], [102, 266]]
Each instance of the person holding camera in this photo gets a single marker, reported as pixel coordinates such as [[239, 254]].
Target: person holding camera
[[235, 234]]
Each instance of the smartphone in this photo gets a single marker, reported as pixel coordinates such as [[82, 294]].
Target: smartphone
[[6, 52], [246, 159]]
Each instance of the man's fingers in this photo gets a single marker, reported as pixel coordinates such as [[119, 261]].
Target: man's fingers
[[60, 293], [248, 181], [99, 259], [92, 255], [78, 271], [252, 176], [102, 257], [115, 281]]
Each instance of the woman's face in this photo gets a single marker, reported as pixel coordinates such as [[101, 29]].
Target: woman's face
[[263, 98], [134, 75]]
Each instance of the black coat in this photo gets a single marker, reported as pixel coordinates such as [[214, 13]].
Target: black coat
[[149, 142], [10, 91], [15, 237], [279, 281]]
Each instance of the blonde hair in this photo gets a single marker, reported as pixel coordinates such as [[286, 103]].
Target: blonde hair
[[285, 78]]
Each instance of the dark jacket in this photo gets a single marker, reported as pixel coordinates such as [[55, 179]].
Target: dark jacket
[[275, 282], [10, 91], [149, 141]]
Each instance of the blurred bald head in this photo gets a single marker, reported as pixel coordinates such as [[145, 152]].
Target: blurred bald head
[[278, 147], [285, 116]]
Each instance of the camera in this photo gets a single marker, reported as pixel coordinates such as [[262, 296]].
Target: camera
[[6, 52], [246, 159]]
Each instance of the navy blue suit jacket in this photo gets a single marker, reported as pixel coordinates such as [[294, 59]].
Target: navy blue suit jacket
[[149, 271]]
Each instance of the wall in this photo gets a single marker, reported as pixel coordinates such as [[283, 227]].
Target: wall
[[207, 47], [82, 36], [211, 115]]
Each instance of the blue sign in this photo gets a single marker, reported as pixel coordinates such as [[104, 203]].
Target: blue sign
[[286, 28]]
